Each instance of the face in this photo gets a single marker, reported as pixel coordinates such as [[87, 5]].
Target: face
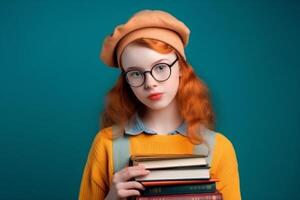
[[143, 59]]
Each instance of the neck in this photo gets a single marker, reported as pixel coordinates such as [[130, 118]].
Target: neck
[[164, 120]]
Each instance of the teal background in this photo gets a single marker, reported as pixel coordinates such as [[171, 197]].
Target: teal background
[[53, 87]]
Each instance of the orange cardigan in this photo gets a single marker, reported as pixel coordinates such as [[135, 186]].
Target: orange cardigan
[[98, 171]]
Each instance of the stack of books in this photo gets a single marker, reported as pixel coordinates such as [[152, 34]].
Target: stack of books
[[176, 176]]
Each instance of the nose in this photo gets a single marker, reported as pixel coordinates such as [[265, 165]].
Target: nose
[[150, 82]]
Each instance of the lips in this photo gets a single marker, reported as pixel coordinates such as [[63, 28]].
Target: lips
[[155, 96]]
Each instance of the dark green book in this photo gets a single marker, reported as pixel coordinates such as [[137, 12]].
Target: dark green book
[[179, 189]]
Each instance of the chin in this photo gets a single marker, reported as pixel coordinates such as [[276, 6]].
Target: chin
[[156, 105]]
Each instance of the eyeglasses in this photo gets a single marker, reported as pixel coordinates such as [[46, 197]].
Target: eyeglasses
[[160, 72]]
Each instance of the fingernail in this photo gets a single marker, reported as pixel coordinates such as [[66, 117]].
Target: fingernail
[[141, 165]]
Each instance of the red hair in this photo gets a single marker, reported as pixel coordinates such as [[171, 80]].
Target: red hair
[[192, 97]]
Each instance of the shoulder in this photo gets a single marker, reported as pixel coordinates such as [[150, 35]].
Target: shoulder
[[224, 149], [103, 134], [223, 141], [219, 140], [102, 138]]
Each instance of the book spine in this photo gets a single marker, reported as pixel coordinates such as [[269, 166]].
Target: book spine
[[208, 196], [179, 189]]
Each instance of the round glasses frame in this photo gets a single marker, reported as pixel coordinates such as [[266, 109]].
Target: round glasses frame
[[151, 72]]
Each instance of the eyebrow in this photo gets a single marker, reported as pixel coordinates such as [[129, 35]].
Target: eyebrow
[[156, 62]]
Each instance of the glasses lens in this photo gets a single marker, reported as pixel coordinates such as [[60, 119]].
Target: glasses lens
[[135, 77], [161, 72]]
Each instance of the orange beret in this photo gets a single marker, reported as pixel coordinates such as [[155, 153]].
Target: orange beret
[[154, 24]]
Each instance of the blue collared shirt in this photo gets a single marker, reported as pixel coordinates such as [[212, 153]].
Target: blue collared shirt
[[135, 126]]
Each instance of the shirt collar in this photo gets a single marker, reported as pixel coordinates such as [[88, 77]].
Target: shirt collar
[[135, 126]]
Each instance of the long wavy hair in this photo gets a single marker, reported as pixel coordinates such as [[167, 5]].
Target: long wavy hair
[[193, 98]]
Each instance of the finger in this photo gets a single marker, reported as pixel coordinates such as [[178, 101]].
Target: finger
[[130, 185], [141, 165], [121, 177], [131, 172]]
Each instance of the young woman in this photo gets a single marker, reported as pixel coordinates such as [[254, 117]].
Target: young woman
[[159, 102]]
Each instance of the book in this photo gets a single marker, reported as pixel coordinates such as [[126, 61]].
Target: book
[[180, 189], [176, 176], [177, 182], [203, 196], [184, 173], [161, 161]]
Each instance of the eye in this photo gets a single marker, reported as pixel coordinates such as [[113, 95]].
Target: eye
[[160, 68], [134, 74]]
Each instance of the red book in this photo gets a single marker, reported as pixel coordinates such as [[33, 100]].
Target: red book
[[177, 182], [204, 196]]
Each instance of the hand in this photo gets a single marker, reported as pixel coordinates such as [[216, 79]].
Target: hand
[[121, 187]]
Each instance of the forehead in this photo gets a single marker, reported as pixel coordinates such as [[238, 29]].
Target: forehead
[[143, 57]]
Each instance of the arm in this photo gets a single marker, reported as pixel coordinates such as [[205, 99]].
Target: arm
[[90, 189], [227, 171], [95, 177]]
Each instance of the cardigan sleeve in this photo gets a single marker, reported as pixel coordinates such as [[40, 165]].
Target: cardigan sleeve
[[227, 170], [94, 182]]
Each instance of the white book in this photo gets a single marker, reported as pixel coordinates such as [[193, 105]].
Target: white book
[[169, 161], [176, 174]]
